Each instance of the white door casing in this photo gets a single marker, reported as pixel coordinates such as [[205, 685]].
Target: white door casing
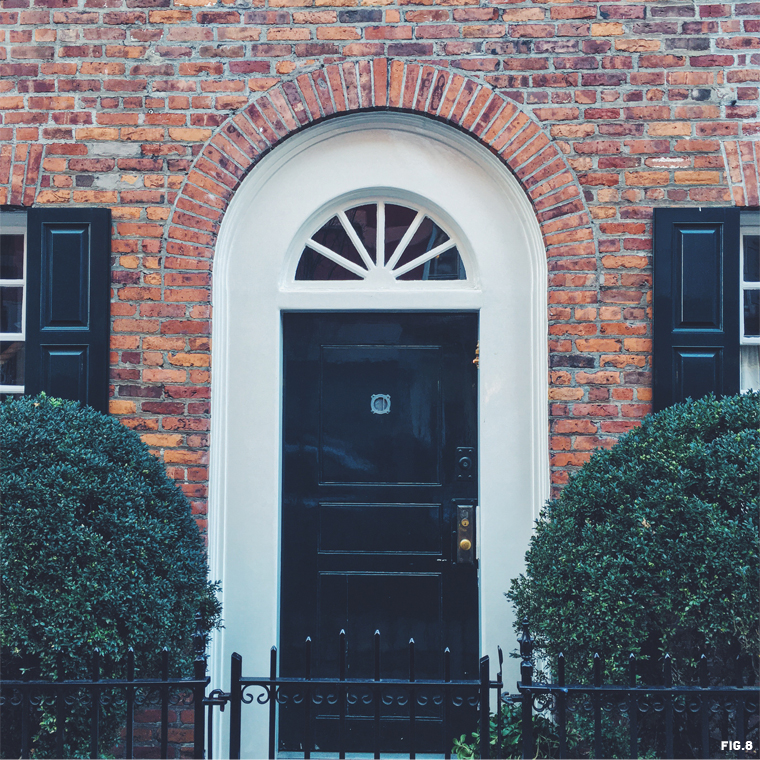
[[417, 162]]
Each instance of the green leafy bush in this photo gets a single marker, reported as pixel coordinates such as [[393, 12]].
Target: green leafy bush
[[652, 548], [98, 548], [507, 742]]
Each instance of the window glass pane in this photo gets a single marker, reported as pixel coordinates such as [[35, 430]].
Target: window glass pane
[[314, 266], [750, 368], [446, 266], [11, 257], [397, 221], [427, 237], [751, 245], [752, 313], [11, 303], [11, 363], [364, 220]]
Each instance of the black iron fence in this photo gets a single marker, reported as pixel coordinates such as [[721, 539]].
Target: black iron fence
[[707, 720], [369, 701], [27, 702], [681, 721]]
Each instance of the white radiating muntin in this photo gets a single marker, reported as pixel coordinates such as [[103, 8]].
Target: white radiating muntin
[[382, 267]]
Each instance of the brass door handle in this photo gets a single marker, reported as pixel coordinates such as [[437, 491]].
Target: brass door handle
[[465, 534]]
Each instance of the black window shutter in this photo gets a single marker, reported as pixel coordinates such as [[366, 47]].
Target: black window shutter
[[696, 303], [68, 303]]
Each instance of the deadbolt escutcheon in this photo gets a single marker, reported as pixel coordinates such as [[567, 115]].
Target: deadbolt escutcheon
[[465, 462]]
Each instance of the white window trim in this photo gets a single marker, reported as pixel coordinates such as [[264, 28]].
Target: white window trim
[[744, 340], [14, 223]]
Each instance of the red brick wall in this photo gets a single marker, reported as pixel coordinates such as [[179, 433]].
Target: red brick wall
[[157, 109]]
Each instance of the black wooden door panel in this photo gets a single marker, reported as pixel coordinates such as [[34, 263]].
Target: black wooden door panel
[[376, 408], [380, 529], [399, 443]]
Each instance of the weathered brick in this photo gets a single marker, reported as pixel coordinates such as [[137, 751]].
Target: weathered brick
[[619, 108]]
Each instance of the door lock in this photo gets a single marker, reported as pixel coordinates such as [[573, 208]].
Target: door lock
[[465, 458], [465, 534]]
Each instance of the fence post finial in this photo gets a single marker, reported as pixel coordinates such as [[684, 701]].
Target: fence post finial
[[526, 652], [199, 690], [526, 679], [199, 647]]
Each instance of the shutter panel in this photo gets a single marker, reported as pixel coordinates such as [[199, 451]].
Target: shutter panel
[[696, 303], [68, 303]]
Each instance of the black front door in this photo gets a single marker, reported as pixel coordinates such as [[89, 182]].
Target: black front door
[[379, 487]]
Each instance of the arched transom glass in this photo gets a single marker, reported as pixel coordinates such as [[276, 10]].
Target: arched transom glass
[[380, 242]]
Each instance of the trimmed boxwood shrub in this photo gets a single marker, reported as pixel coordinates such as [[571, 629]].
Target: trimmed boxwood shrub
[[98, 548], [653, 547]]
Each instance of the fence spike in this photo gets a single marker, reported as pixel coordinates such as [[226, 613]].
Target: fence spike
[[597, 669], [561, 707], [307, 702], [95, 707], [59, 707], [633, 705], [376, 699], [342, 694], [342, 655], [164, 703], [377, 654], [703, 671], [597, 705], [130, 703], [272, 701]]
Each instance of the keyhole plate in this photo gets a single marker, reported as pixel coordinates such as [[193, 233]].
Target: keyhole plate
[[380, 403]]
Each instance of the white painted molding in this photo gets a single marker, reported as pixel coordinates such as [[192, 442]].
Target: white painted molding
[[424, 164]]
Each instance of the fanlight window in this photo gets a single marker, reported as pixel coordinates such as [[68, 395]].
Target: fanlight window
[[380, 242]]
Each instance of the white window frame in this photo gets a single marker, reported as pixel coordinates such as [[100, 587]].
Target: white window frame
[[745, 340], [381, 273], [14, 223]]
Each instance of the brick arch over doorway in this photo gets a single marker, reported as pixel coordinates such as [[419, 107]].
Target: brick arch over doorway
[[381, 84], [496, 122]]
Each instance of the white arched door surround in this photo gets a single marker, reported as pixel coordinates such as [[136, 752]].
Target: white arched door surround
[[426, 165]]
